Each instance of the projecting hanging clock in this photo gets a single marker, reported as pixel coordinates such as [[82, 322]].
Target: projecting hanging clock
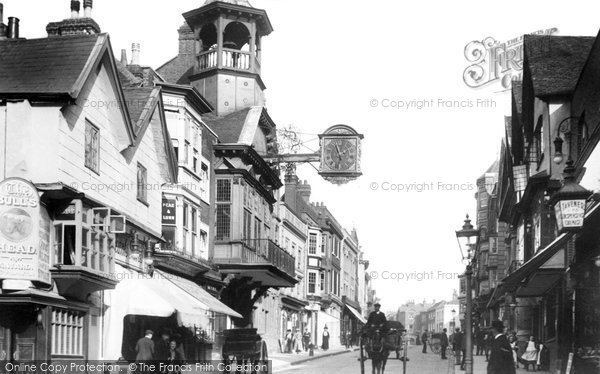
[[340, 154]]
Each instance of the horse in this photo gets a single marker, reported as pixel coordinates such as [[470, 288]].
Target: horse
[[377, 348]]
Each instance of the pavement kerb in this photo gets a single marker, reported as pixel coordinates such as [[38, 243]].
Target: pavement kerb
[[303, 360]]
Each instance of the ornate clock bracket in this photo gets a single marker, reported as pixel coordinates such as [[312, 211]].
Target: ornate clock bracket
[[339, 155]]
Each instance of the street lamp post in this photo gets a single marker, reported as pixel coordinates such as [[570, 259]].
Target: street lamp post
[[468, 239]]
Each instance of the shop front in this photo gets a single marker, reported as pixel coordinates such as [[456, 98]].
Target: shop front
[[165, 304]]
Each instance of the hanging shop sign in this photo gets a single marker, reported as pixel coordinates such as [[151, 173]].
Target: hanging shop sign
[[24, 233]]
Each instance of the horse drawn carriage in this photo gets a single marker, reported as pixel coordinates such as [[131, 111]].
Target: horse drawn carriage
[[377, 342], [245, 352]]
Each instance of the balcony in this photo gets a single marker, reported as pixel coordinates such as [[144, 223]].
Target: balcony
[[177, 260], [230, 59], [260, 259]]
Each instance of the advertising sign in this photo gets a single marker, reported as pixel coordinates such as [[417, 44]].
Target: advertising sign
[[24, 234], [168, 211]]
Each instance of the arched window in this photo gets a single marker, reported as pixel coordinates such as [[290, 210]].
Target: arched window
[[236, 36], [208, 37]]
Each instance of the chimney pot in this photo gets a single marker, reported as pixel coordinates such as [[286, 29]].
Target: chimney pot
[[1, 13], [75, 8], [87, 8], [13, 28], [135, 53]]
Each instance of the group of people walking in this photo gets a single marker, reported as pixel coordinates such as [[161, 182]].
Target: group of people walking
[[500, 349], [168, 351], [296, 342]]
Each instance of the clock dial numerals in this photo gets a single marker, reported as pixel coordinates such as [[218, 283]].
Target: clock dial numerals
[[339, 154]]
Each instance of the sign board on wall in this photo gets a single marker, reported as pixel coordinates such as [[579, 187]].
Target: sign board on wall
[[24, 233], [168, 211]]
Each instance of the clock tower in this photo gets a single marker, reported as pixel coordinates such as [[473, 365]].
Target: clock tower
[[227, 51]]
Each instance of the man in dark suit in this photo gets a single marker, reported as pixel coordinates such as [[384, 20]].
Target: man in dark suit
[[457, 339], [161, 349], [145, 347], [444, 343], [376, 317], [424, 339], [501, 356]]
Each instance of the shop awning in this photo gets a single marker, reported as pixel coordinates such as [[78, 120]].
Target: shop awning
[[542, 271], [200, 294], [356, 314], [139, 294]]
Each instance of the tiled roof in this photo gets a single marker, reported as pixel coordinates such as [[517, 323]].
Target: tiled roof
[[556, 62], [46, 67], [229, 127], [178, 70], [139, 102]]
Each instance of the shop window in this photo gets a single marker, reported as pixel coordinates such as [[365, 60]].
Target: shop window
[[92, 147], [67, 332]]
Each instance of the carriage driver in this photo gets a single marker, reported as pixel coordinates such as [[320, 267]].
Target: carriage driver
[[377, 318]]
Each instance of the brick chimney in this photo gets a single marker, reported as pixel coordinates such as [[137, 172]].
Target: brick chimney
[[304, 190], [187, 42], [75, 25], [291, 190]]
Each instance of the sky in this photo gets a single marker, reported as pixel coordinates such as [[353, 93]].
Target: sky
[[393, 70]]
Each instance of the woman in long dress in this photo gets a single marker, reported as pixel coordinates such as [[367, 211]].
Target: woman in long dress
[[325, 344], [514, 348], [531, 353]]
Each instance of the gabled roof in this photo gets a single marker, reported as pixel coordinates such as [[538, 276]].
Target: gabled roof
[[48, 67], [556, 62]]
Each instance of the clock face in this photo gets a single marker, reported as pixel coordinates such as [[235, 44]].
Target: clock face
[[339, 154]]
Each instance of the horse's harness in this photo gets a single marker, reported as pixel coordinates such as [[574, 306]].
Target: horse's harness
[[375, 338]]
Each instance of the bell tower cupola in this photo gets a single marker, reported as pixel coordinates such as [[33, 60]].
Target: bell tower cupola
[[227, 38]]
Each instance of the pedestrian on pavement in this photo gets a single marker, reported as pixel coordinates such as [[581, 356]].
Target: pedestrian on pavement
[[530, 357], [288, 341], [145, 347], [444, 344], [175, 358], [480, 339], [487, 343], [515, 348], [306, 339], [161, 348], [501, 357], [325, 342], [424, 341], [457, 339], [297, 341]]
